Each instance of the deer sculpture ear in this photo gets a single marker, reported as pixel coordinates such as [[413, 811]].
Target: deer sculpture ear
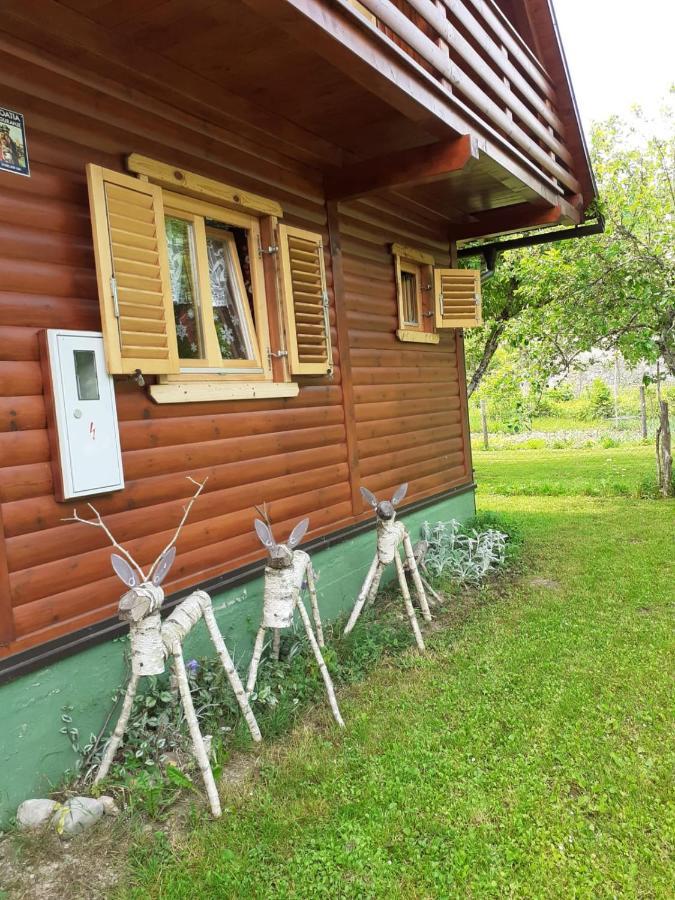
[[369, 497], [264, 534], [164, 564], [399, 494], [124, 571], [298, 533]]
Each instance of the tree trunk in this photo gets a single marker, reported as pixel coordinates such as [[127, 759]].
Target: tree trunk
[[489, 350]]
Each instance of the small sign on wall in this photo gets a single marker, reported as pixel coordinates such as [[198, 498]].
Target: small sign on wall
[[13, 148]]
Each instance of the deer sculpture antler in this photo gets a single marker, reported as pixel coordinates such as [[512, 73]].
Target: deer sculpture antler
[[164, 560]]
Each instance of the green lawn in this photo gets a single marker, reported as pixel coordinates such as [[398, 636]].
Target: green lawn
[[618, 471], [528, 754]]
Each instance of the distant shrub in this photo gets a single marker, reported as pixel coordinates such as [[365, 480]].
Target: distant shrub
[[608, 442], [534, 444], [599, 400]]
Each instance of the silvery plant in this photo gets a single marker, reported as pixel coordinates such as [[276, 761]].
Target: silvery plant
[[466, 557]]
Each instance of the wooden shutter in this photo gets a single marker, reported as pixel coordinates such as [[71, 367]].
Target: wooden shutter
[[303, 278], [457, 298], [134, 288]]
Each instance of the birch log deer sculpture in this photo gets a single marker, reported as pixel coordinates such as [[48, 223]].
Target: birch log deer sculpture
[[153, 641], [390, 535], [285, 573]]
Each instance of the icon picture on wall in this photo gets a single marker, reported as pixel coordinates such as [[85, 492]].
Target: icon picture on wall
[[13, 148]]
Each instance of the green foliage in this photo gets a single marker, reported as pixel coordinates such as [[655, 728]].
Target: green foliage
[[155, 764], [614, 290], [507, 404], [599, 399]]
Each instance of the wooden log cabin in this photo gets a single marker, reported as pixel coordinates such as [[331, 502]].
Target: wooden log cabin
[[248, 214]]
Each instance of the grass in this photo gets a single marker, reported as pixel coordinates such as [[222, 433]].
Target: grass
[[528, 754], [592, 472]]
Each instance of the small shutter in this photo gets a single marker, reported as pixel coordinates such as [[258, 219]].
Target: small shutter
[[305, 301], [457, 298], [132, 269]]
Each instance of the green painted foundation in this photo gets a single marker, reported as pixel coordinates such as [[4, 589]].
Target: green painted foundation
[[34, 755]]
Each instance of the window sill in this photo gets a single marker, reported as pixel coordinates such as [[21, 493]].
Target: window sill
[[419, 337], [201, 391]]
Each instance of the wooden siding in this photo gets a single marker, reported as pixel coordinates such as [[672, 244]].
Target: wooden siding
[[407, 396], [301, 455]]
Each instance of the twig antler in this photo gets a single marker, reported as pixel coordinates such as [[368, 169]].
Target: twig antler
[[99, 523], [264, 515], [186, 513]]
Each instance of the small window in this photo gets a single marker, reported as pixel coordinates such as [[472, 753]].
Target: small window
[[414, 274]]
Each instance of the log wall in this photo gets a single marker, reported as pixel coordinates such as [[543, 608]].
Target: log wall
[[391, 412]]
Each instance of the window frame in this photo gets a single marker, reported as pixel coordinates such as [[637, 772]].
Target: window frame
[[214, 368], [421, 265]]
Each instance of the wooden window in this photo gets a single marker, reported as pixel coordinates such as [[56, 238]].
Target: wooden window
[[305, 297], [133, 274], [457, 295], [182, 285], [413, 291]]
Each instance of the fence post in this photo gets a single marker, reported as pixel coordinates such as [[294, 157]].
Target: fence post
[[643, 410], [484, 423], [664, 455]]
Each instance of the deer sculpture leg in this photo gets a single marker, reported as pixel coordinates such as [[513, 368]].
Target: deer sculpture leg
[[407, 602], [276, 643], [316, 615], [230, 671], [372, 578], [255, 661], [325, 674], [193, 725], [417, 581], [430, 591], [115, 740]]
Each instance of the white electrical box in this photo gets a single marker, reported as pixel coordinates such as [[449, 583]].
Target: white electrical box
[[82, 416]]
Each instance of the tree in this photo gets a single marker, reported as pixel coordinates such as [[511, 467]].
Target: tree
[[613, 291]]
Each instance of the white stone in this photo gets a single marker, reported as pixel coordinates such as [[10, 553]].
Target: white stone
[[77, 815], [35, 813]]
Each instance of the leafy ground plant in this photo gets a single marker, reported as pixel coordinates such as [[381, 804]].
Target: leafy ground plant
[[155, 765], [466, 554]]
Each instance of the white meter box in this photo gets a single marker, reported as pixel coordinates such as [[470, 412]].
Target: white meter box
[[81, 413]]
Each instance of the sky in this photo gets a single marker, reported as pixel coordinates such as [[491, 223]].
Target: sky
[[619, 53]]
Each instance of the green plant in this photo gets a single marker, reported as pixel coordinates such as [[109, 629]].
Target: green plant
[[156, 765], [599, 400]]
